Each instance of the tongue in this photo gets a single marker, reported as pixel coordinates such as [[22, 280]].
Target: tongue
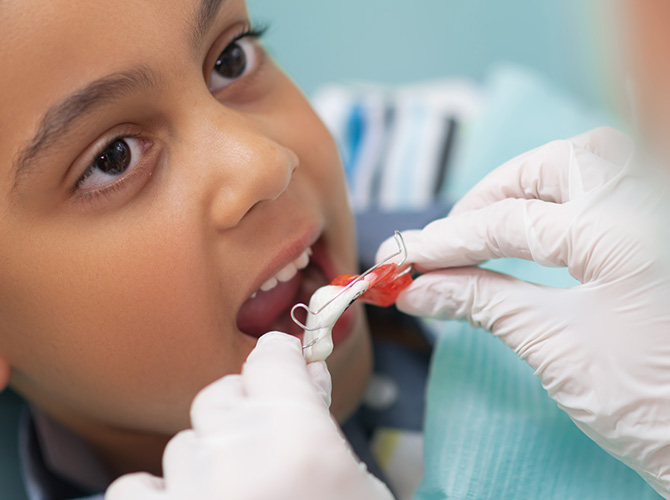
[[257, 315], [271, 310]]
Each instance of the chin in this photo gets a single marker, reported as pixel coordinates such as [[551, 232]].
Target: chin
[[351, 366]]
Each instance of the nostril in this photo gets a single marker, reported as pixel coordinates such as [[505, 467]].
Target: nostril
[[254, 208], [294, 160], [261, 171]]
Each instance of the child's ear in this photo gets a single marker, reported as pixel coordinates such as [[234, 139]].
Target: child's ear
[[5, 373]]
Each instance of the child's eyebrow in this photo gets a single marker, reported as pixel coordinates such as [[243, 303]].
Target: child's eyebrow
[[60, 117], [204, 18]]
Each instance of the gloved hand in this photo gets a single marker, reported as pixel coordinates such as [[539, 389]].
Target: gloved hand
[[264, 434], [601, 349]]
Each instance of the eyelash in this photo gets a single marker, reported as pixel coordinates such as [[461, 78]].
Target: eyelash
[[112, 187], [255, 31], [88, 172]]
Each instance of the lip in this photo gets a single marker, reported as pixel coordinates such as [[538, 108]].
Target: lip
[[323, 260], [288, 253]]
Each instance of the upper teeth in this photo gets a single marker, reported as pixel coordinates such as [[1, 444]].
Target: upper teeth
[[288, 272]]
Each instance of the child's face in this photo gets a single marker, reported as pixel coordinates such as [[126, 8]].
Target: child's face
[[147, 192]]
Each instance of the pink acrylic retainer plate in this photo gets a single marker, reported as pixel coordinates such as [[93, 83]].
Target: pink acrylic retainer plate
[[386, 283]]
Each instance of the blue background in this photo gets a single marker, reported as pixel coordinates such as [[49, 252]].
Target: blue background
[[397, 41]]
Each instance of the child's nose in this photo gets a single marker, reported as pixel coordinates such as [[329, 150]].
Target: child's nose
[[263, 170], [247, 166]]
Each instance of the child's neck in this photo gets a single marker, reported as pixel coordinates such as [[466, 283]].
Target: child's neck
[[119, 451], [122, 452]]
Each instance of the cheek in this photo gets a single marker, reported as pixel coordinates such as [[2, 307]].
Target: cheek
[[294, 124], [129, 313], [321, 164]]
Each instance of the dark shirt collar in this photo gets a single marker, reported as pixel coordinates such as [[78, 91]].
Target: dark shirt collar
[[56, 463]]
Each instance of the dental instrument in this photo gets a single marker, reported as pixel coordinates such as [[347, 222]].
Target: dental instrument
[[380, 285]]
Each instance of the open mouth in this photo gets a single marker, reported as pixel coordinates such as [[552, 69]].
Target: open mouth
[[269, 308]]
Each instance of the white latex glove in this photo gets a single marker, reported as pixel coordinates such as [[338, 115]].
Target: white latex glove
[[264, 434], [602, 349]]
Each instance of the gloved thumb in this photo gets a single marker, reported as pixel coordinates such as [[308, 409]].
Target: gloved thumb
[[320, 376], [521, 314], [276, 369]]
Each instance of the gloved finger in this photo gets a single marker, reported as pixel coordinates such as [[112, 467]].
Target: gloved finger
[[608, 143], [525, 229], [277, 369], [184, 462], [211, 403], [556, 172], [389, 247], [141, 486], [521, 314], [320, 376]]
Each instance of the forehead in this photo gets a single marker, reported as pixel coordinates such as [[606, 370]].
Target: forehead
[[52, 47]]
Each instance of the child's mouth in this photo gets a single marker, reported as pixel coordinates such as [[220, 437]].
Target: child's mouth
[[269, 308]]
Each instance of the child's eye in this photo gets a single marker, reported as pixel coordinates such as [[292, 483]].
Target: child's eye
[[236, 60], [117, 159]]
